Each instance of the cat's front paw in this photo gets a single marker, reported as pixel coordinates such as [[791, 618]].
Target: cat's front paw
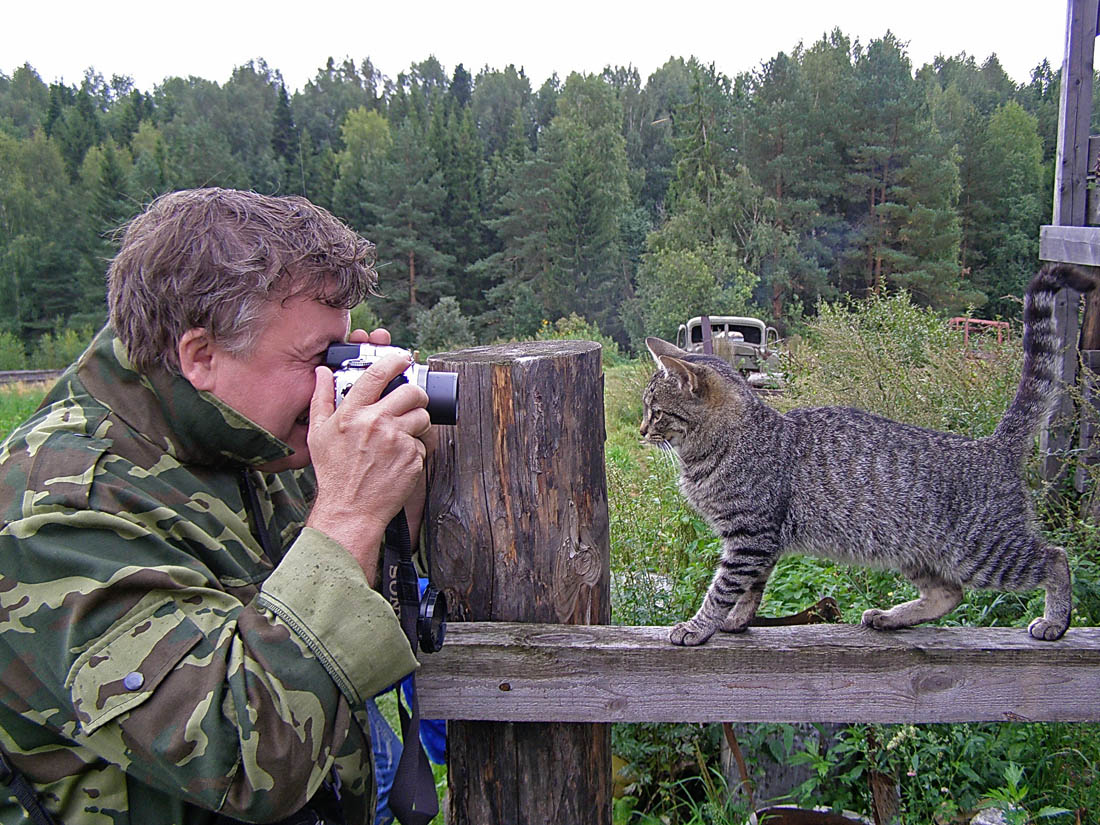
[[689, 634], [1045, 630]]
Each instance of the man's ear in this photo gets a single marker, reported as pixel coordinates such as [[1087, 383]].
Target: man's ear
[[196, 356]]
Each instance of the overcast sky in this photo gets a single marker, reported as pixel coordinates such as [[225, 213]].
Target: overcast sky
[[153, 40]]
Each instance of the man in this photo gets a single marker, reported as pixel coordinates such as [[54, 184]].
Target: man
[[189, 628]]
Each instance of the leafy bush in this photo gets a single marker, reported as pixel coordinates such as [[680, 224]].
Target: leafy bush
[[576, 328], [56, 350], [891, 357], [442, 328], [364, 317], [12, 354]]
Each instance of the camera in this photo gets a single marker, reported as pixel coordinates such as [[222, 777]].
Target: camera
[[349, 361]]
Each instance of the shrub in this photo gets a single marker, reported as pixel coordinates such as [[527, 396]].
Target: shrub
[[56, 350], [363, 317], [576, 328], [442, 328], [891, 357], [12, 354]]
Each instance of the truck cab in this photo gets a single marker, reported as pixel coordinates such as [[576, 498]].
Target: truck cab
[[748, 344]]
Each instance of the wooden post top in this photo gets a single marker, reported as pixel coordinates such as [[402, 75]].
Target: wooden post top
[[503, 353]]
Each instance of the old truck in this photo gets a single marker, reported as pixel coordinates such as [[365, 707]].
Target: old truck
[[748, 344]]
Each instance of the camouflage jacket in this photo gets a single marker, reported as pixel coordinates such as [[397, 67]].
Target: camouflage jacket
[[156, 665]]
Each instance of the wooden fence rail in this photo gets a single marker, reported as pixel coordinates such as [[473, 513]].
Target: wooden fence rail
[[512, 672]]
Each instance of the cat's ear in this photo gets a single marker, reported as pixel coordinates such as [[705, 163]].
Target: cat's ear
[[658, 349], [689, 375]]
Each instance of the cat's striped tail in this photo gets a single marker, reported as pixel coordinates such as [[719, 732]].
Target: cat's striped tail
[[1040, 380]]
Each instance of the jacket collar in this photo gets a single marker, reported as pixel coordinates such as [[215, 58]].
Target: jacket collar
[[193, 426]]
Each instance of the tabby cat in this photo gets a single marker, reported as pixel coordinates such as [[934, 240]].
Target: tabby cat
[[946, 511]]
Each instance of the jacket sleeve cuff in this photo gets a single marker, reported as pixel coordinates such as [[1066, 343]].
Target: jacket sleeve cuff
[[321, 593]]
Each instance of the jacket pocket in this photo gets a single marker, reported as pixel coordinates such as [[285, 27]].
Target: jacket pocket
[[123, 669]]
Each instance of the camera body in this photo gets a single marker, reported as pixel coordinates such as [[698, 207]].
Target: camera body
[[349, 361]]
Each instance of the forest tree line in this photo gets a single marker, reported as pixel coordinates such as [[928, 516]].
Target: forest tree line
[[831, 170]]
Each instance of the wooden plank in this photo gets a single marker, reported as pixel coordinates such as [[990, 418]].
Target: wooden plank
[[29, 376], [817, 673], [1075, 111], [1070, 244]]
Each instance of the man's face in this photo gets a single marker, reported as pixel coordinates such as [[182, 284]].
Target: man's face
[[273, 384]]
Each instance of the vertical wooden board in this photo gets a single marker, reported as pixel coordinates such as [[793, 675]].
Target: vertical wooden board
[[1075, 112]]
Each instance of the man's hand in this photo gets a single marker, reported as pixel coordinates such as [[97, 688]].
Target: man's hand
[[368, 454]]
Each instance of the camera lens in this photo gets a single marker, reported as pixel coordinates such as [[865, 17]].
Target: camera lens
[[442, 390], [431, 623]]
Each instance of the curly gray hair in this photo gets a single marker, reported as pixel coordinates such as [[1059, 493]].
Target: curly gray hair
[[217, 258]]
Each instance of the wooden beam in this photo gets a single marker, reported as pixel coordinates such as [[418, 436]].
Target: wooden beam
[[816, 673], [1070, 244]]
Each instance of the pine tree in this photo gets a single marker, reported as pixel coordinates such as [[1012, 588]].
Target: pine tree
[[462, 87], [284, 135], [704, 136], [407, 197], [588, 197], [518, 198], [367, 140]]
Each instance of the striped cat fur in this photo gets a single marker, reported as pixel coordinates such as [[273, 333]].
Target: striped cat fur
[[947, 512]]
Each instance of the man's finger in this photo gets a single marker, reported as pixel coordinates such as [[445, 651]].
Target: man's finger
[[368, 386], [323, 403]]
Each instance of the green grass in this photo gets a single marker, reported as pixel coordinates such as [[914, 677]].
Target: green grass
[[17, 402]]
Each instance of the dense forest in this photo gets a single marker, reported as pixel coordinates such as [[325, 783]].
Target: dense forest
[[835, 169]]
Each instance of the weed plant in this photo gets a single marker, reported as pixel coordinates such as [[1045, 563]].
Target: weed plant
[[888, 356]]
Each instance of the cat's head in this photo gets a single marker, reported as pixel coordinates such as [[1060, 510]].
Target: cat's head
[[685, 392]]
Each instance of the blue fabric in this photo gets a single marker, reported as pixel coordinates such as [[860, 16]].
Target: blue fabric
[[387, 753]]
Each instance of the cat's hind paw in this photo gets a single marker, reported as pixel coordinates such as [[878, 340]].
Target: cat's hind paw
[[878, 619], [1045, 630], [689, 634]]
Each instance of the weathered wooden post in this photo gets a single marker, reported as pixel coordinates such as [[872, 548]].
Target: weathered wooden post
[[518, 529], [1070, 186]]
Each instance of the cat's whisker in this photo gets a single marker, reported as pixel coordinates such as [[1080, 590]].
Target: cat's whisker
[[670, 453]]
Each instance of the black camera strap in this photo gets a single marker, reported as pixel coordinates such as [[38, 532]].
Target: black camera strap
[[413, 797]]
